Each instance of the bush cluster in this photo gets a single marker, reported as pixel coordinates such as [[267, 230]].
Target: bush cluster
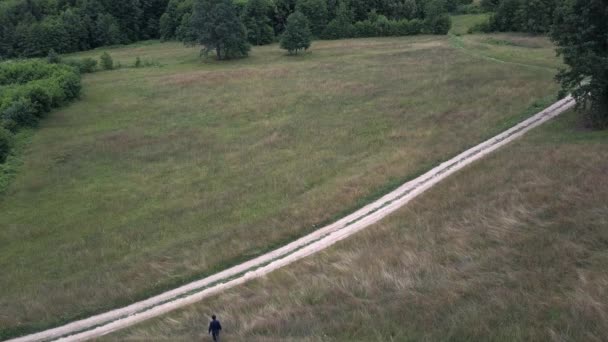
[[29, 90]]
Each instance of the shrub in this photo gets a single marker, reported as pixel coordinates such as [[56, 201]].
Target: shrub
[[84, 66], [107, 63], [137, 62], [364, 29], [21, 113], [31, 89], [440, 24], [6, 142]]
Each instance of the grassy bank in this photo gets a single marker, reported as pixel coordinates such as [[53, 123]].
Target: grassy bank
[[510, 249], [163, 174]]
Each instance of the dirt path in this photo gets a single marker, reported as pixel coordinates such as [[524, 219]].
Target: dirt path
[[323, 238]]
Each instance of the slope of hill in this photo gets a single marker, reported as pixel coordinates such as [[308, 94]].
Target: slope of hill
[[513, 248], [161, 175]]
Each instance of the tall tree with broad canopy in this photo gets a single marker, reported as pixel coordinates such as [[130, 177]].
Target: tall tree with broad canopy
[[297, 34], [216, 26], [581, 32]]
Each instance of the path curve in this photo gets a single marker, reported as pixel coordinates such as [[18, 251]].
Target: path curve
[[319, 240]]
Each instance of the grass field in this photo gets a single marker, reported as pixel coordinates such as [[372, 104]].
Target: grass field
[[161, 175], [513, 248]]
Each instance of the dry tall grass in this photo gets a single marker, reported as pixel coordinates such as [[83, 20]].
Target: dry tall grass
[[512, 249]]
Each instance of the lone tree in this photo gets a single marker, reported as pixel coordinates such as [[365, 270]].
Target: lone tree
[[297, 34], [216, 27], [581, 33]]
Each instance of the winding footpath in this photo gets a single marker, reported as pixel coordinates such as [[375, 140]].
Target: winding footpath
[[319, 240]]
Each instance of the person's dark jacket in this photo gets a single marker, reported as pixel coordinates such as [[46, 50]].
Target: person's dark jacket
[[215, 326]]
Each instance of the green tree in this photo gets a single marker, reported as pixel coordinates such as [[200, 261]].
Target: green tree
[[342, 25], [316, 12], [257, 22], [283, 9], [77, 31], [436, 18], [297, 34], [581, 34], [107, 63], [217, 28], [107, 31], [128, 14]]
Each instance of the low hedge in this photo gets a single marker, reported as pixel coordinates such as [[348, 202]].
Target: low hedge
[[30, 89]]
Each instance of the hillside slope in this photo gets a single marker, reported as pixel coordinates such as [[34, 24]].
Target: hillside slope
[[513, 248]]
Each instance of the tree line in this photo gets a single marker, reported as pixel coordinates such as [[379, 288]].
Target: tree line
[[531, 16], [266, 20], [31, 28]]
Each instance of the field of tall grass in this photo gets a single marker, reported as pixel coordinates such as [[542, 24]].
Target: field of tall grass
[[513, 248], [163, 174]]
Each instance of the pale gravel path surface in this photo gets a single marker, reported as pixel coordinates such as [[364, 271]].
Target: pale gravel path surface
[[319, 240]]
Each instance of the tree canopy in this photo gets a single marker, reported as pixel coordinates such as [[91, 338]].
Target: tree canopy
[[216, 27], [581, 33], [297, 34]]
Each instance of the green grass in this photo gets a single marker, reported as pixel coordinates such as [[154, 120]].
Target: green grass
[[521, 49], [462, 23], [162, 175], [511, 249]]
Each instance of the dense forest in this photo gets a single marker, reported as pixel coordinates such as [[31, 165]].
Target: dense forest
[[532, 16], [31, 28]]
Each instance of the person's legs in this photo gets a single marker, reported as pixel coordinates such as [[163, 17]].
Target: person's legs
[[216, 337]]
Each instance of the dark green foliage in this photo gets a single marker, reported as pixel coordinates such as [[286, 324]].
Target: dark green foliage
[[440, 24], [257, 22], [85, 65], [107, 63], [316, 13], [107, 31], [342, 25], [379, 25], [489, 5], [20, 113], [297, 35], [30, 89], [30, 28], [581, 33], [282, 10], [6, 142], [216, 27], [533, 16]]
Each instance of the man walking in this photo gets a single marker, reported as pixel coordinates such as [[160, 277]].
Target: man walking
[[214, 328]]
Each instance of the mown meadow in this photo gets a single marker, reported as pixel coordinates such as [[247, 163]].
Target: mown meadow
[[163, 174], [511, 249]]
